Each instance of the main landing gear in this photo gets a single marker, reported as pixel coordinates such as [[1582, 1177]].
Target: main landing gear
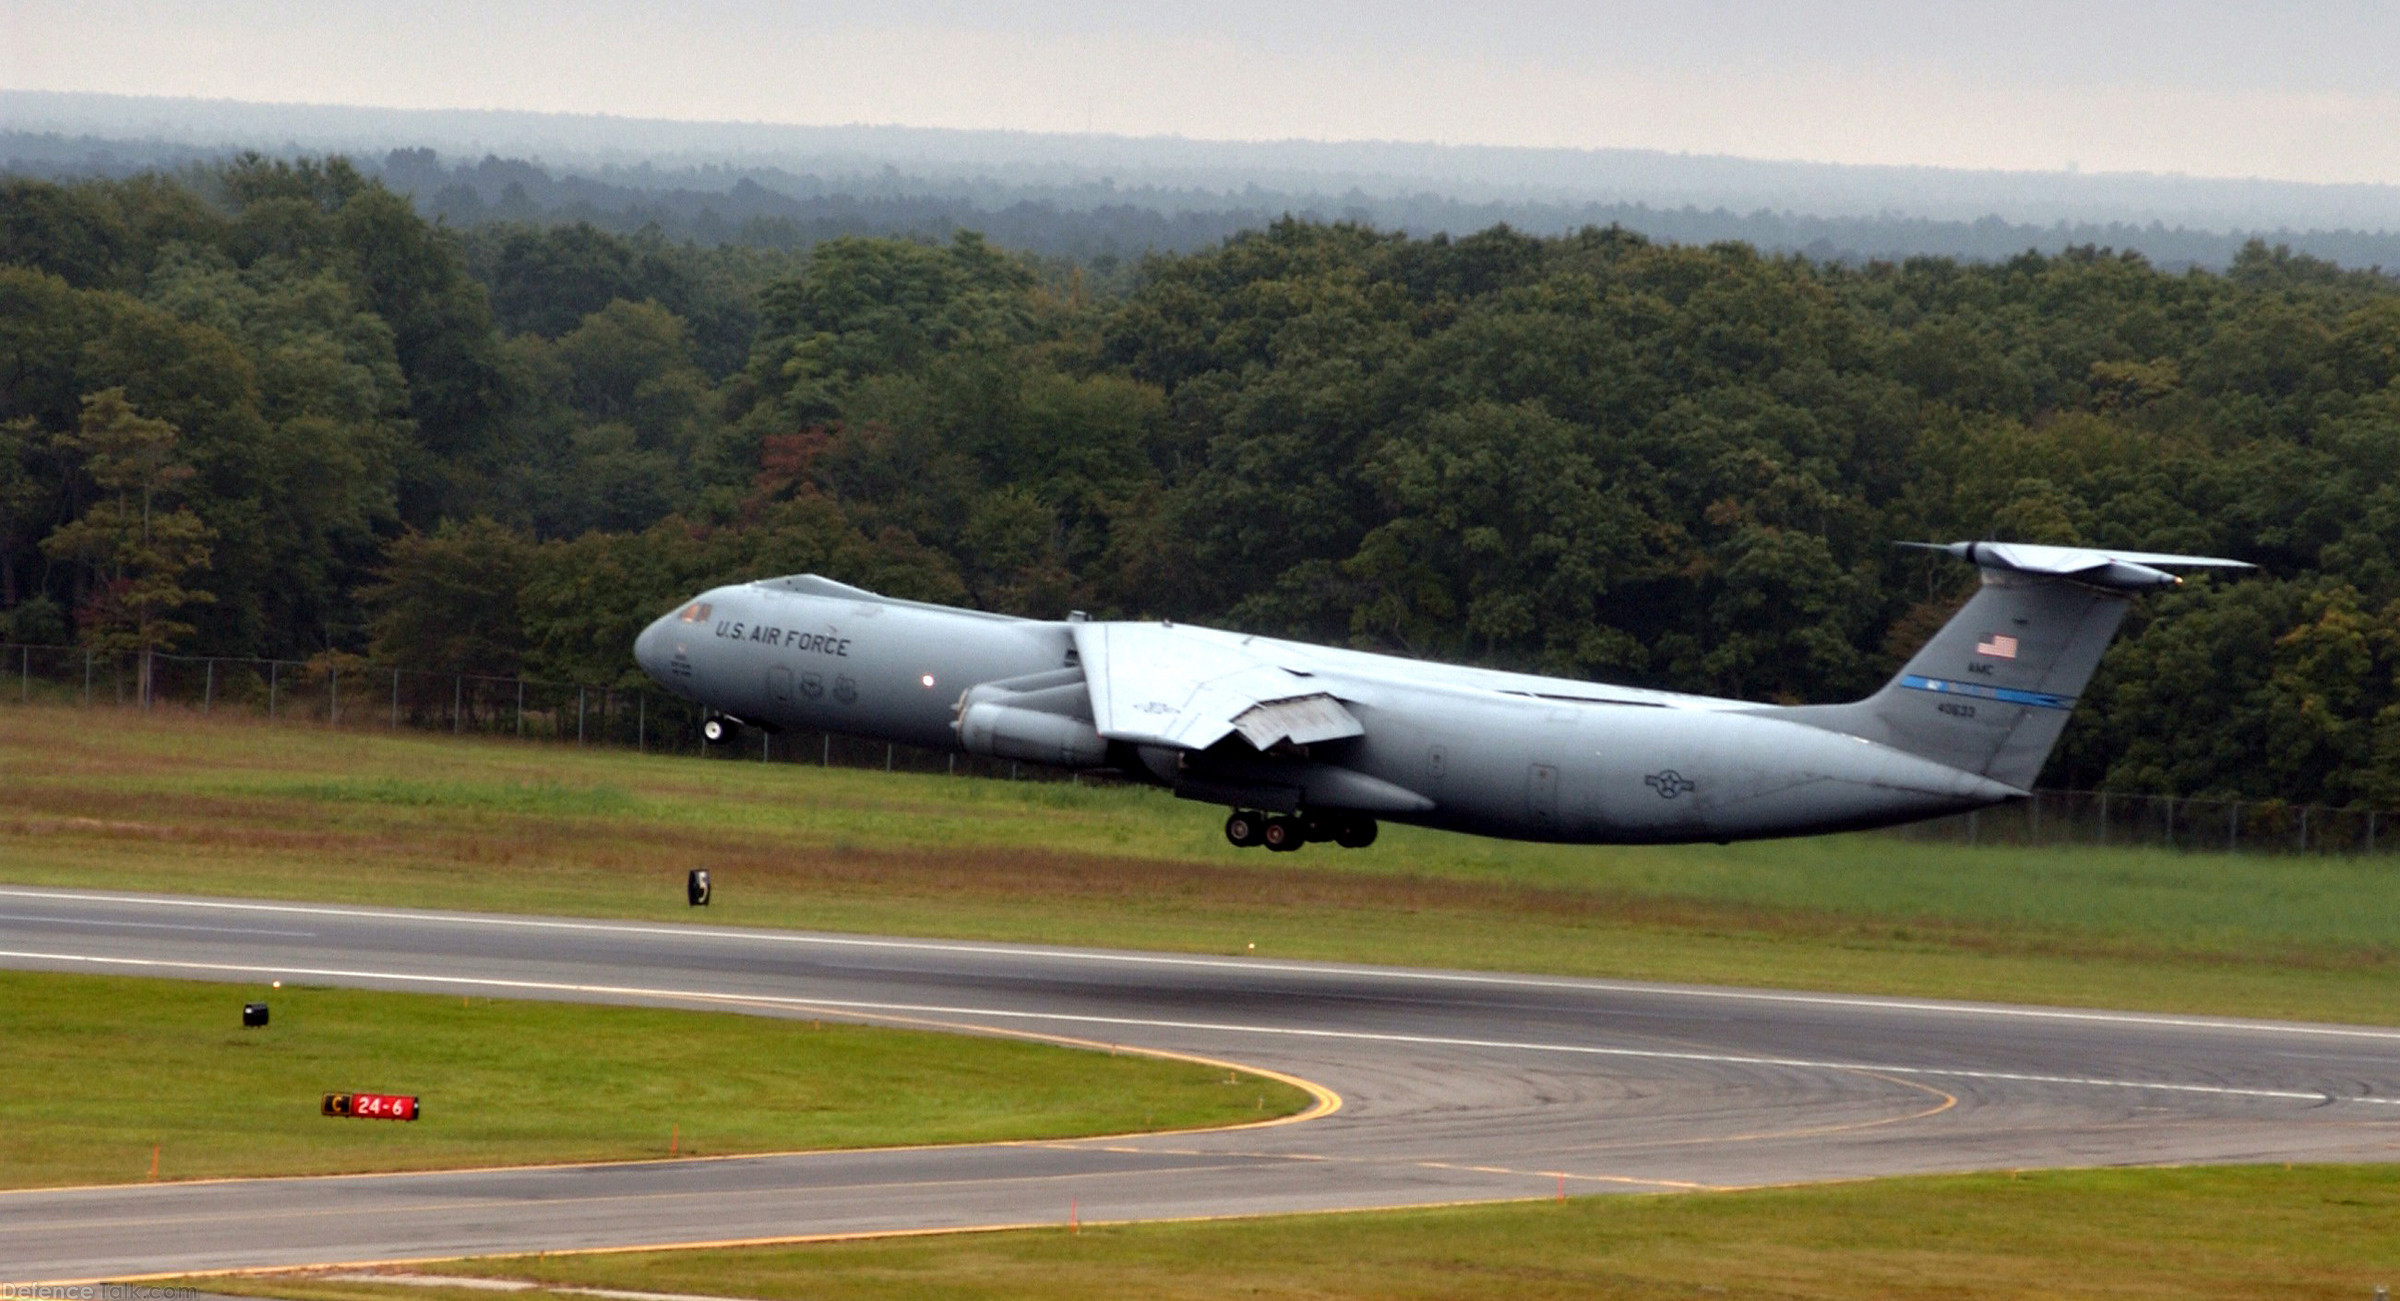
[[1285, 833]]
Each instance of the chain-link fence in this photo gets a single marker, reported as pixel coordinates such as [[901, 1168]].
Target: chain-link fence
[[2169, 822], [350, 693]]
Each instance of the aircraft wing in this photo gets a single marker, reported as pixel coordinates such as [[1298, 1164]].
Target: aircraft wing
[[1159, 684]]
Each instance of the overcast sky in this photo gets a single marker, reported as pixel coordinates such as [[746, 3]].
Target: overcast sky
[[2296, 91]]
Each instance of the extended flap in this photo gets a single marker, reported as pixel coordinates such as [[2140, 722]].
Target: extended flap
[[1301, 720]]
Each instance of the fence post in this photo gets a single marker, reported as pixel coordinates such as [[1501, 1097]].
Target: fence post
[[2102, 838], [2370, 831], [578, 715], [395, 700], [274, 676], [766, 745], [520, 708], [887, 756], [2233, 826], [333, 695], [2170, 822], [2303, 846], [825, 759], [208, 692], [458, 702]]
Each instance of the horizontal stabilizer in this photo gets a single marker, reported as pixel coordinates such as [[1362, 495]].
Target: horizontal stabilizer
[[2099, 567]]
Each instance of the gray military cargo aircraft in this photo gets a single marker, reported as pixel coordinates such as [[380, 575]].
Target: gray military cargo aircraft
[[1312, 743]]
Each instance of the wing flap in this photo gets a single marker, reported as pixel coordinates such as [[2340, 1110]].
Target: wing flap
[[1301, 720]]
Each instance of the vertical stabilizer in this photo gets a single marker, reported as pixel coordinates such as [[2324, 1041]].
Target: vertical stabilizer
[[1991, 692]]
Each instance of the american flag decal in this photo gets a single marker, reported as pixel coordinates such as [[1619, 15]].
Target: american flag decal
[[1998, 646]]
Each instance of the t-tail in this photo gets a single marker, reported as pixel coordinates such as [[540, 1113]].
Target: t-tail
[[1990, 693]]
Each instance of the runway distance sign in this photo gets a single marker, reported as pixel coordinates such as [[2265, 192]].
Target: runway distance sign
[[372, 1106]]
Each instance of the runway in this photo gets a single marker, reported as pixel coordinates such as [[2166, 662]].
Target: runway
[[1452, 1086]]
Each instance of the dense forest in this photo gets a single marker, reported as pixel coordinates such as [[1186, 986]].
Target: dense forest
[[273, 410]]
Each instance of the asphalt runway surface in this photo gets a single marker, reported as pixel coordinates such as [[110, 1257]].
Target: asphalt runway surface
[[1451, 1086]]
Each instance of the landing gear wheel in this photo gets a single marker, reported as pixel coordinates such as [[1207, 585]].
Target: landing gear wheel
[[1356, 833], [718, 730], [1245, 828], [1317, 828], [1283, 835]]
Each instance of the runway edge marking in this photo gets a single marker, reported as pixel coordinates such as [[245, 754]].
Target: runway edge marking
[[1588, 983], [868, 1009], [805, 1239]]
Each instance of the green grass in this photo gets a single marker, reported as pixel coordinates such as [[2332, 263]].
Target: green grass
[[2311, 1232], [100, 1069], [175, 802]]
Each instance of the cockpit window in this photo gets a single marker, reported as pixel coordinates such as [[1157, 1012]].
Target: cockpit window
[[696, 612]]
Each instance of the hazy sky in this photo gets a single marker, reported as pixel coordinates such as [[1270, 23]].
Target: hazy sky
[[2298, 91]]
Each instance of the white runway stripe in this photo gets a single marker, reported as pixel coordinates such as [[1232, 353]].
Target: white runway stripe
[[2154, 1020], [1215, 1027], [153, 926]]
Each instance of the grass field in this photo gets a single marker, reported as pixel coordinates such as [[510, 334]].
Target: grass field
[[2239, 1233], [171, 801], [102, 1069]]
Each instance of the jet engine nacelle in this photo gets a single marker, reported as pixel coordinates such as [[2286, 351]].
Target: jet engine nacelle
[[1004, 731]]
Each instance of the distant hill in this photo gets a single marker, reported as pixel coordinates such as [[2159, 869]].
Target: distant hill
[[1089, 197]]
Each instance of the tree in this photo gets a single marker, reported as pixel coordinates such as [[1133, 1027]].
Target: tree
[[20, 493], [138, 547], [1505, 542], [628, 362], [447, 602], [62, 230]]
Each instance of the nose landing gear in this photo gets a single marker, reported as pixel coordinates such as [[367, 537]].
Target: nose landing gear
[[717, 729], [1246, 828]]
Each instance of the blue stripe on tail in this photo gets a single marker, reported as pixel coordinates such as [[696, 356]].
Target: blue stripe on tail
[[1979, 691]]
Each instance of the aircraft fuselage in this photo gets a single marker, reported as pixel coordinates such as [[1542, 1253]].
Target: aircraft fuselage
[[1473, 750]]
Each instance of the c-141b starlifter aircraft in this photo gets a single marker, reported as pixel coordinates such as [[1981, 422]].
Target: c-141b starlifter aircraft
[[1312, 743]]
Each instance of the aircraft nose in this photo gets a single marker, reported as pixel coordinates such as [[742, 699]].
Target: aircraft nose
[[650, 649]]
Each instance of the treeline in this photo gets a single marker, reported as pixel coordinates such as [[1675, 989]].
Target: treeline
[[775, 209], [1591, 455], [1101, 224]]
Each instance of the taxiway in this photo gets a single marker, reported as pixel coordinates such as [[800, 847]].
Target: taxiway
[[1451, 1086]]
